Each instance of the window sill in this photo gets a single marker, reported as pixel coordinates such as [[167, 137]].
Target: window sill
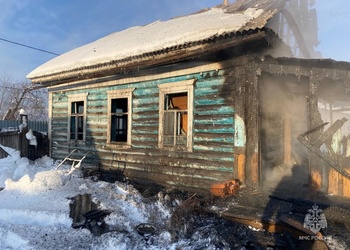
[[176, 148], [115, 145], [77, 142]]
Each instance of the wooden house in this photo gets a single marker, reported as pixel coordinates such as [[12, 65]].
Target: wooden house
[[203, 99]]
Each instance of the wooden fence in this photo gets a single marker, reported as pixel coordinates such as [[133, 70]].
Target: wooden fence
[[15, 140], [12, 137], [7, 125]]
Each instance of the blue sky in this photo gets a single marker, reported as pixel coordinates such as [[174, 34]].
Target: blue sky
[[59, 26]]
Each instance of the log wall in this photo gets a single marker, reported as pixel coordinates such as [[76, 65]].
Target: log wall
[[211, 159]]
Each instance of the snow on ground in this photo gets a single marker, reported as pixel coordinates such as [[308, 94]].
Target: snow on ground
[[34, 213], [34, 210]]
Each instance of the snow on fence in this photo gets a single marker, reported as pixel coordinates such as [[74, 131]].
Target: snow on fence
[[8, 125]]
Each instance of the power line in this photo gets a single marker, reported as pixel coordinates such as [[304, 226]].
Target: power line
[[27, 46]]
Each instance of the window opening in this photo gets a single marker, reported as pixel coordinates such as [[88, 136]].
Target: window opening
[[119, 120], [175, 119], [77, 121]]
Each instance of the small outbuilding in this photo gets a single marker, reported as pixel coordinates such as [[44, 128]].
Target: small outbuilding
[[203, 99]]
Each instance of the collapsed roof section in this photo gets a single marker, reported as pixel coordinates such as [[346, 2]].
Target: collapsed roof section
[[163, 41]]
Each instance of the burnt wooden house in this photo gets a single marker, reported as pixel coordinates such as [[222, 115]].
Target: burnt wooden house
[[202, 99]]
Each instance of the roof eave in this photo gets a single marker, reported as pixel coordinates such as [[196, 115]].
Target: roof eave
[[167, 55]]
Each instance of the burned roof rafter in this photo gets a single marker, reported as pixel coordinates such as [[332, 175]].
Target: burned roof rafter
[[314, 145], [320, 69]]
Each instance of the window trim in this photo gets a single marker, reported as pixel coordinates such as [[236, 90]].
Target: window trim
[[173, 88], [77, 98], [117, 94]]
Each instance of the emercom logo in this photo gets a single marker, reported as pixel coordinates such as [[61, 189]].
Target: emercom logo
[[315, 219]]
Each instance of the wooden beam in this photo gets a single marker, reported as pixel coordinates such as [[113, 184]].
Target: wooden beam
[[287, 139], [240, 167], [297, 34], [333, 182], [315, 180]]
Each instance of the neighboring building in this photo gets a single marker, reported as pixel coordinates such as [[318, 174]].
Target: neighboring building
[[202, 99]]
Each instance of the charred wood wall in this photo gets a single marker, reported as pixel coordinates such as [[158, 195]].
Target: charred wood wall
[[307, 84], [224, 94]]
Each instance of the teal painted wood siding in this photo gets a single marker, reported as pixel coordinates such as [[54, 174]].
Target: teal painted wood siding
[[211, 159]]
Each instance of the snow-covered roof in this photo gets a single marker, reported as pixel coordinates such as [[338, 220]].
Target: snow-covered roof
[[136, 42]]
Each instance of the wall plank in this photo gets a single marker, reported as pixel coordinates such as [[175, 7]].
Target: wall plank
[[213, 134]]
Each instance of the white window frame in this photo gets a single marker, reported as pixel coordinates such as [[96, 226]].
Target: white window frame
[[117, 94], [77, 98], [173, 88]]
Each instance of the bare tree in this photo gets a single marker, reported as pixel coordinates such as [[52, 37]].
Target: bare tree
[[14, 96]]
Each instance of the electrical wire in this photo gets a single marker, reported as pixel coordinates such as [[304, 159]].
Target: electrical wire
[[27, 46]]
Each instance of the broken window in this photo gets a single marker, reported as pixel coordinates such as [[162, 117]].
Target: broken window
[[77, 121], [175, 115], [175, 119], [120, 117], [119, 120]]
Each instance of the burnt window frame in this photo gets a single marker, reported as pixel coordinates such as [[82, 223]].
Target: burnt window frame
[[176, 88], [115, 95], [75, 99]]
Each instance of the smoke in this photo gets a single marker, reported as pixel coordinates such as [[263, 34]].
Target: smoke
[[297, 26], [283, 118], [285, 112]]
